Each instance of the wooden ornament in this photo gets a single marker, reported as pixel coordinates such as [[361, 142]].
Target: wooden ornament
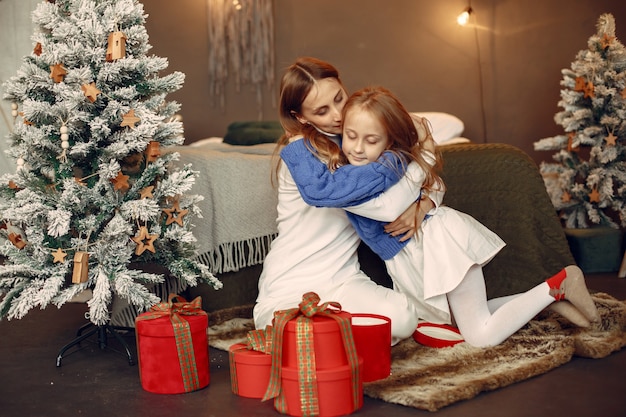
[[144, 241], [17, 240], [566, 197], [611, 139], [153, 151], [57, 73], [37, 50], [90, 91], [589, 90], [175, 214], [59, 256], [116, 46], [80, 272], [120, 182], [570, 142], [623, 93], [580, 84], [146, 192], [129, 119], [594, 196], [606, 40]]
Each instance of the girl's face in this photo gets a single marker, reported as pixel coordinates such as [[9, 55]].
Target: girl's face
[[322, 106], [364, 137]]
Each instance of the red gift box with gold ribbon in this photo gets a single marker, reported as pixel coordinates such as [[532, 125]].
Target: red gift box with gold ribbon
[[250, 364], [172, 347], [315, 367]]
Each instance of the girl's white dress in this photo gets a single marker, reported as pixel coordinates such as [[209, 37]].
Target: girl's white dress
[[448, 244]]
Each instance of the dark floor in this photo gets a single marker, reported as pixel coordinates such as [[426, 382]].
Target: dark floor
[[94, 382]]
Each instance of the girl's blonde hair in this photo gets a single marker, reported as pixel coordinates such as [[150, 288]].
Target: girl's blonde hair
[[400, 127]]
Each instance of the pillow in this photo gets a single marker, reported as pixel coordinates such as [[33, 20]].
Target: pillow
[[253, 132], [446, 127]]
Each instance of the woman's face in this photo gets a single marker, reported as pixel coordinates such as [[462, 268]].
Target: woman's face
[[322, 106], [364, 137]]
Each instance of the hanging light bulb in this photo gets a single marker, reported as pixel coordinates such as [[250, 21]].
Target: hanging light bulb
[[463, 18]]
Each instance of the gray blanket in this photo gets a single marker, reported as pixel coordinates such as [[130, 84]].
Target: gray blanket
[[239, 207]]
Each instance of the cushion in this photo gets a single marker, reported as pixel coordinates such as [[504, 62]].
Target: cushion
[[253, 132]]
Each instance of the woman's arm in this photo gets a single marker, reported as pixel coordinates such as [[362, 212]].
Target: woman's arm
[[347, 186]]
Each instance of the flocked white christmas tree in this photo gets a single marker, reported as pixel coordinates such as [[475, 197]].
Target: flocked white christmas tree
[[587, 183], [95, 195]]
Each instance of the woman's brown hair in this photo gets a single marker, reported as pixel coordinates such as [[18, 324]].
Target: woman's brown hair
[[295, 85]]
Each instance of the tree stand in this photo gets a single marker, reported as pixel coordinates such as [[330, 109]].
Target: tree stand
[[101, 331]]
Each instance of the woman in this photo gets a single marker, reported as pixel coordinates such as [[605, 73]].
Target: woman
[[315, 249]]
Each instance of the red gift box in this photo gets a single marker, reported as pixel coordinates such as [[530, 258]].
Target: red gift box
[[334, 391], [305, 382], [172, 347], [372, 337], [249, 371]]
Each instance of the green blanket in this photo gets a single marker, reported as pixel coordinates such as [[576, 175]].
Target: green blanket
[[501, 187]]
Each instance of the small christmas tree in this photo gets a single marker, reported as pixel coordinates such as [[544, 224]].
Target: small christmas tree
[[587, 184], [95, 195]]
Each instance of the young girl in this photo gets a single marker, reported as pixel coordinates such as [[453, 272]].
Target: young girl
[[315, 249], [441, 270]]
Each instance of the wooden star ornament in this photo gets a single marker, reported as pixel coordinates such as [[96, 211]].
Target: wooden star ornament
[[611, 139], [59, 256], [566, 197], [57, 73], [144, 241], [594, 196], [175, 214], [120, 182], [589, 90], [146, 192], [623, 93], [606, 40], [38, 49], [90, 91], [129, 119]]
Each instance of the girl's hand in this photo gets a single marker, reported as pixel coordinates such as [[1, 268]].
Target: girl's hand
[[424, 206], [408, 222], [404, 224]]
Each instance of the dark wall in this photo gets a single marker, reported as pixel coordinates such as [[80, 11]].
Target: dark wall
[[413, 47]]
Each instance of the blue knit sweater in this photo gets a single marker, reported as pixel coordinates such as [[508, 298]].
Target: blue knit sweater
[[348, 186]]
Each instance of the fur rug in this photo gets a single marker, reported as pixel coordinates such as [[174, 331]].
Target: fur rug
[[430, 379]]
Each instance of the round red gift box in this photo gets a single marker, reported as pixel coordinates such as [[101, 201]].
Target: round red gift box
[[372, 338], [334, 391], [252, 371], [327, 341], [159, 366], [437, 335]]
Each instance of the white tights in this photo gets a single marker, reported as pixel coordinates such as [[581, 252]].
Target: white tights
[[488, 323]]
